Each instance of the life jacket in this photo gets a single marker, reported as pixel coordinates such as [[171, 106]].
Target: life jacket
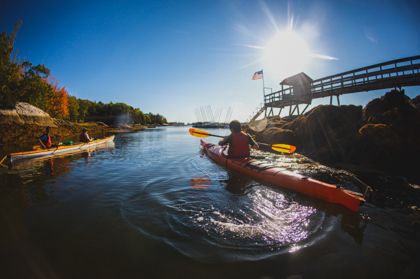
[[239, 145], [46, 140]]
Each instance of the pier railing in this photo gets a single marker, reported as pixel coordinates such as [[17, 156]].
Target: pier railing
[[390, 74]]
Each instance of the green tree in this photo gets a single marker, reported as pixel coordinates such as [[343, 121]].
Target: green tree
[[23, 81], [73, 108], [10, 74], [36, 91], [84, 106]]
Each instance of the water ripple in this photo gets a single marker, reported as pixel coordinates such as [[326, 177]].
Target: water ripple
[[214, 225], [211, 215]]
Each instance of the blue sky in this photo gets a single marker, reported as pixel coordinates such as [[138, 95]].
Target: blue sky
[[172, 57]]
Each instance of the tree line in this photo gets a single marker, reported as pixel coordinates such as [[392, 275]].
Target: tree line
[[21, 81], [111, 113]]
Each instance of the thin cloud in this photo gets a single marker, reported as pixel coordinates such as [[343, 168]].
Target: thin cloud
[[371, 38], [252, 46], [323, 56]]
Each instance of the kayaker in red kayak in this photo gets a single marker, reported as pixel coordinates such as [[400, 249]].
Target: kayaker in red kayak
[[238, 141]]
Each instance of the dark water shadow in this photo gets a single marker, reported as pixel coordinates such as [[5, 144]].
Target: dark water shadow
[[236, 183]]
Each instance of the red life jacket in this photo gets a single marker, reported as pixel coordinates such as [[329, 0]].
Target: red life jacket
[[239, 145], [49, 142]]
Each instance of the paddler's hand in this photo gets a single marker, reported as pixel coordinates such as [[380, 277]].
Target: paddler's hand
[[42, 144], [223, 141]]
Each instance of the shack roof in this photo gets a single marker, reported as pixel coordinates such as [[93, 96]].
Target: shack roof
[[298, 79]]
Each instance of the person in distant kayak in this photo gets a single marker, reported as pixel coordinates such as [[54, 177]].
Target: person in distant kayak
[[84, 137], [238, 141], [45, 139]]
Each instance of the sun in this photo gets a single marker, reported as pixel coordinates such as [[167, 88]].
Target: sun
[[285, 54]]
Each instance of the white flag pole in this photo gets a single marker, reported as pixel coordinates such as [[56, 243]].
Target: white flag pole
[[264, 91], [263, 83]]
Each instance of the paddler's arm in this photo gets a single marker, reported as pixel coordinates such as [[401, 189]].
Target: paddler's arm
[[42, 144], [225, 140], [252, 142], [88, 137]]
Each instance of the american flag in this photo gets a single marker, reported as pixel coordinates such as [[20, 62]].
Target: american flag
[[258, 75]]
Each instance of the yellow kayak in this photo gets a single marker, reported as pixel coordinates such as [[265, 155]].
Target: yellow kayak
[[56, 151]]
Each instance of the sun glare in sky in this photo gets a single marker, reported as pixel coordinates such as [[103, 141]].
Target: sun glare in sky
[[285, 54], [203, 53]]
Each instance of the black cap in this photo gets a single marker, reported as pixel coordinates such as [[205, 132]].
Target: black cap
[[235, 126]]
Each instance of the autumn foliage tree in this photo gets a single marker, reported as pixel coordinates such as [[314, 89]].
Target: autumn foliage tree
[[58, 103]]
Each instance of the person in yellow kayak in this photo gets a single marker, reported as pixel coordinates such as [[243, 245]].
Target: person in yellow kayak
[[45, 139], [84, 137], [239, 142]]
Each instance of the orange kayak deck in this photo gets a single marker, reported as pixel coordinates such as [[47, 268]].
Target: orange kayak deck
[[281, 178]]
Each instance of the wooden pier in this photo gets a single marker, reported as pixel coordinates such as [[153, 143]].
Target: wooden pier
[[300, 89]]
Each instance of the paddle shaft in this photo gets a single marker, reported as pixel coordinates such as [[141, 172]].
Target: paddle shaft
[[217, 136], [210, 135]]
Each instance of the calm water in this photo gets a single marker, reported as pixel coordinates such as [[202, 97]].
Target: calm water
[[154, 207]]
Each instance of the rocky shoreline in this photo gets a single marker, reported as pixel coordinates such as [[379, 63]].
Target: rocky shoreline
[[21, 127], [384, 136], [380, 143]]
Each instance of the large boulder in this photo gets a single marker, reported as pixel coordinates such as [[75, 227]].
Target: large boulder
[[381, 134], [416, 102], [326, 131], [379, 110], [276, 122], [390, 137], [10, 116], [382, 146], [277, 135], [26, 114], [399, 112]]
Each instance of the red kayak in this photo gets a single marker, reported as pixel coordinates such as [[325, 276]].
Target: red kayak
[[285, 179]]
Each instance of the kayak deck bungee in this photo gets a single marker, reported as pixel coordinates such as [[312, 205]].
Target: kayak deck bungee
[[279, 177], [55, 151]]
